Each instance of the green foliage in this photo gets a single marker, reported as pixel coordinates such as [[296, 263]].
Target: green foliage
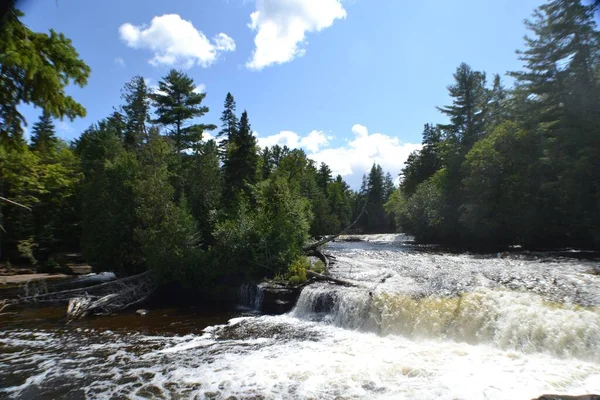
[[266, 239], [498, 201], [47, 183], [240, 166], [132, 200], [43, 137], [26, 249], [318, 267], [36, 68], [229, 124], [297, 271], [205, 189], [520, 166], [166, 232], [177, 101], [136, 109], [375, 191]]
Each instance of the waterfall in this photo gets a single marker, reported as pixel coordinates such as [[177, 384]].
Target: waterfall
[[251, 296], [508, 320]]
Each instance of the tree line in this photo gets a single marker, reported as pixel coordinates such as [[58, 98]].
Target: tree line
[[517, 166], [144, 189]]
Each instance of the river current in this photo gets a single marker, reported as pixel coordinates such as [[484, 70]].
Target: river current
[[420, 324]]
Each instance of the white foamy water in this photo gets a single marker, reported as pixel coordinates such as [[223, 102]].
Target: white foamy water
[[417, 326]]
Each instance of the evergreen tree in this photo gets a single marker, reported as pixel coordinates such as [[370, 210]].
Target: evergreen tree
[[229, 123], [323, 176], [241, 164], [43, 137], [388, 187], [36, 68], [497, 107], [559, 95], [176, 103], [206, 187], [421, 165], [136, 109], [266, 163], [467, 112]]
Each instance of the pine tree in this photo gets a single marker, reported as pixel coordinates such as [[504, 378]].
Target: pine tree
[[43, 137], [497, 107], [36, 68], [559, 94], [136, 109], [467, 112], [240, 166], [229, 126], [266, 163], [176, 103], [388, 187], [323, 176], [205, 188]]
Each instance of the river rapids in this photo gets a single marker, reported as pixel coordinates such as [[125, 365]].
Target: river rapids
[[420, 324]]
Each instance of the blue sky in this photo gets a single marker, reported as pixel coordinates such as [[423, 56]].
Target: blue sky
[[351, 81]]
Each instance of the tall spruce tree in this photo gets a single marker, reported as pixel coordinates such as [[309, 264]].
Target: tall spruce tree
[[229, 124], [43, 137], [323, 176], [467, 112], [240, 166], [177, 102], [136, 109], [497, 107]]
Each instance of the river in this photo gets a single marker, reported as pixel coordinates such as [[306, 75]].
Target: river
[[421, 324]]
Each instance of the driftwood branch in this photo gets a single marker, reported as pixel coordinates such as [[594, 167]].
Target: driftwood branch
[[319, 277], [101, 299]]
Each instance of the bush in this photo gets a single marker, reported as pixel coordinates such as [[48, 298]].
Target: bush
[[297, 271], [318, 267], [264, 240]]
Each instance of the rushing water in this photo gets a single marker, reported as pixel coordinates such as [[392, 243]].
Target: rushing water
[[419, 325]]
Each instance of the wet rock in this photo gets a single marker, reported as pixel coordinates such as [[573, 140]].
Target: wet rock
[[142, 312], [278, 299]]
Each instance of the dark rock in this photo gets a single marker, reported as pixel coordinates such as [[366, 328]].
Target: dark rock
[[278, 299]]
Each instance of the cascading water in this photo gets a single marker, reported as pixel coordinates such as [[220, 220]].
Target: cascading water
[[251, 296], [418, 325]]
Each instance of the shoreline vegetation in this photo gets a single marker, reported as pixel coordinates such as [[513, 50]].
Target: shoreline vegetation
[[145, 190]]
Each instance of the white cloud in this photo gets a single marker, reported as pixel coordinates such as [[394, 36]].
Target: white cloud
[[120, 62], [281, 27], [175, 42], [224, 42], [314, 140], [355, 157], [201, 88], [311, 142]]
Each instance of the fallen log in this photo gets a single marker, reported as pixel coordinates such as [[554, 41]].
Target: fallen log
[[101, 299], [320, 277], [323, 257]]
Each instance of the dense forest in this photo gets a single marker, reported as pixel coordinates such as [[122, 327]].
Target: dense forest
[[143, 188], [517, 166]]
